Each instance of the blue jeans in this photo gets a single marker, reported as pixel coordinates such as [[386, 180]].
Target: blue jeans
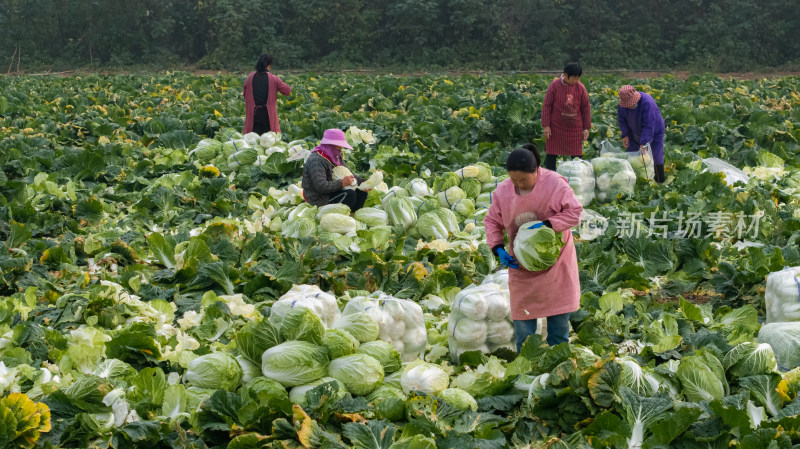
[[557, 330]]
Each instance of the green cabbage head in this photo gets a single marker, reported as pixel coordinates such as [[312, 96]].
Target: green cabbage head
[[459, 399], [216, 370], [360, 373], [537, 249], [294, 363]]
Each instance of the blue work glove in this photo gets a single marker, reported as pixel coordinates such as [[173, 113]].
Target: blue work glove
[[540, 224], [506, 259]]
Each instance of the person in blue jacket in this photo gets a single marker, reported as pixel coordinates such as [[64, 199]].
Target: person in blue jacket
[[641, 123]]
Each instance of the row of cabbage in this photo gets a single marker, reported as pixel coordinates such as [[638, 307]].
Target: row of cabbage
[[448, 211]]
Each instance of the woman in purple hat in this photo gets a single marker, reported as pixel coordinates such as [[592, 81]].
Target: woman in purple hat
[[261, 98], [319, 187], [641, 123]]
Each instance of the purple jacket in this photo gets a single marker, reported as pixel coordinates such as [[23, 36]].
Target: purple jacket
[[642, 123]]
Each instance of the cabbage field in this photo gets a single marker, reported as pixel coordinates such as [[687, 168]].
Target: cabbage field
[[165, 286]]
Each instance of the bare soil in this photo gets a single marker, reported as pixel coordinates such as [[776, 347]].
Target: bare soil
[[680, 74]]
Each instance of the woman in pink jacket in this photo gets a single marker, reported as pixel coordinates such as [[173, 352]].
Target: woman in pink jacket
[[534, 193], [260, 98]]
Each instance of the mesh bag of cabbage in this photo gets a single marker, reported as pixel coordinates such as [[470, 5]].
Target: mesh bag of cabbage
[[480, 320], [400, 322]]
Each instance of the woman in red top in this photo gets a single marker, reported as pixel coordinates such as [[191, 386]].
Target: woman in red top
[[260, 97], [566, 118]]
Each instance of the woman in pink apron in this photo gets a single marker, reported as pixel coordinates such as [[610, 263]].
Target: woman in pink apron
[[534, 193]]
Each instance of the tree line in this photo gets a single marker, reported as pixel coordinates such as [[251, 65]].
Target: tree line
[[714, 35]]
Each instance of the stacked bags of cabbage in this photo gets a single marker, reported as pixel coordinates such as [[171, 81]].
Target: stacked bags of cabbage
[[580, 176], [399, 322], [480, 320]]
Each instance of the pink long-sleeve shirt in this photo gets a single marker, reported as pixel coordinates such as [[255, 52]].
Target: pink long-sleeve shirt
[[557, 290], [275, 85]]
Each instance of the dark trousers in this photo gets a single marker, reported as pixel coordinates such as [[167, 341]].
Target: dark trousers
[[550, 161], [660, 173], [354, 199], [261, 120]]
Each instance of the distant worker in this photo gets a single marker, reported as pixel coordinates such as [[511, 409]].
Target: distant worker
[[566, 116], [533, 193], [641, 123], [319, 186], [260, 98]]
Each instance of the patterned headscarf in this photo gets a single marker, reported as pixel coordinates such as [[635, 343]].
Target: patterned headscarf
[[628, 97]]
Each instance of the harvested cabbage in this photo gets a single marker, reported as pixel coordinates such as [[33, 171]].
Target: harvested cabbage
[[244, 157], [499, 332], [295, 363], [784, 338], [580, 176], [302, 324], [484, 200], [335, 208], [418, 187], [360, 373], [384, 353], [340, 172], [338, 223], [206, 150], [299, 228], [471, 187], [400, 211], [431, 227], [450, 196], [269, 139], [445, 181], [469, 334], [480, 319], [263, 389], [360, 325], [464, 208], [614, 177], [537, 249], [424, 377], [216, 370], [400, 322], [372, 216], [232, 146], [782, 296], [372, 182], [480, 171], [250, 370], [339, 343], [252, 139], [459, 399], [227, 134], [310, 297]]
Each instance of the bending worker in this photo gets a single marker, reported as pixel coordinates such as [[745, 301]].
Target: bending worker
[[641, 123]]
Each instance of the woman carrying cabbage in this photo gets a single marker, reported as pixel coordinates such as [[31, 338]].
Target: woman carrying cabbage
[[261, 98], [539, 205], [320, 186], [641, 123]]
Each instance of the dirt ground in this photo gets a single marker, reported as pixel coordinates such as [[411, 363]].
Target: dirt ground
[[680, 74]]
